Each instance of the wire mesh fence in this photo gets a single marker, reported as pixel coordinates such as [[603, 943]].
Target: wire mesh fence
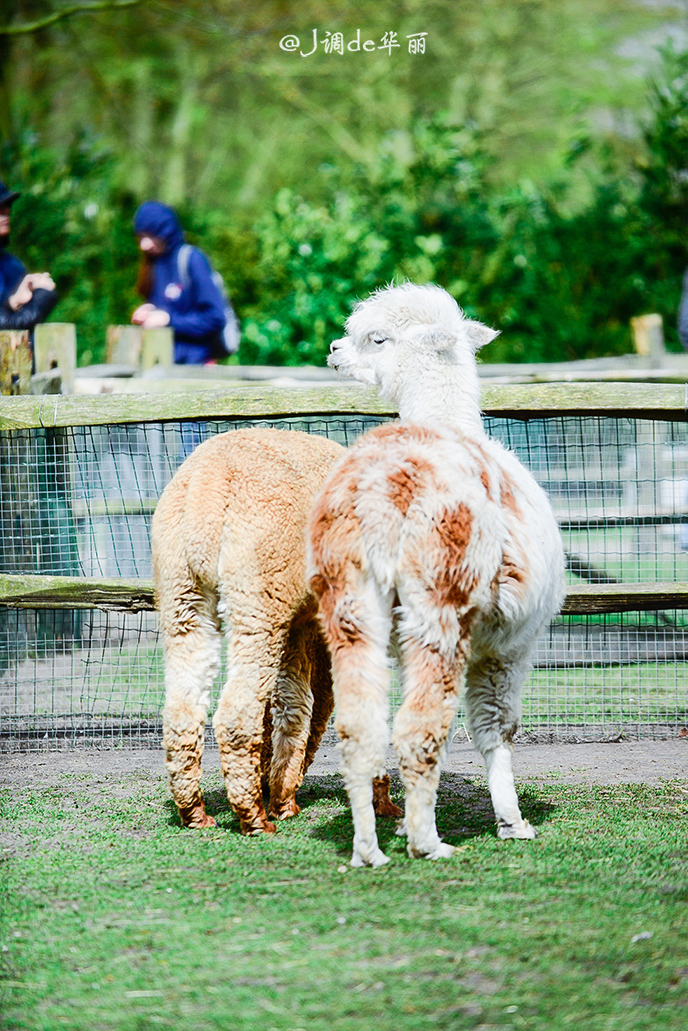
[[594, 678], [78, 501]]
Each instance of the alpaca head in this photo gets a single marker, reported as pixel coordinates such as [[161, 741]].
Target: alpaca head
[[404, 335]]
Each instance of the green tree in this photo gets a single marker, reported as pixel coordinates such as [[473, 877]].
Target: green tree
[[662, 217], [311, 180]]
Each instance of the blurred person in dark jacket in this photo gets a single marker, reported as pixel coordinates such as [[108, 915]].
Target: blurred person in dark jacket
[[683, 313], [179, 288], [26, 298]]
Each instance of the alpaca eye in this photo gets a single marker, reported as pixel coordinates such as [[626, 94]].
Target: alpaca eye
[[379, 340]]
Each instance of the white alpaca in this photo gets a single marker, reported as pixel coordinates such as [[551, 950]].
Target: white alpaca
[[429, 529]]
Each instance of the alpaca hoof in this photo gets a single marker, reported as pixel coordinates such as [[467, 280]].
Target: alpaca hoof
[[252, 830], [516, 830], [196, 818], [378, 858], [440, 851], [386, 807], [208, 821], [443, 851], [401, 830], [286, 810]]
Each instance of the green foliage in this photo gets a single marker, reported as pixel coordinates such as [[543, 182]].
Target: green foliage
[[559, 285], [559, 270], [664, 167], [661, 217], [72, 222], [312, 263], [561, 279], [378, 223]]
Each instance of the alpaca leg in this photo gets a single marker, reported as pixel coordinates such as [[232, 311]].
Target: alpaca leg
[[323, 704], [362, 704], [323, 696], [253, 664], [358, 626], [382, 803], [500, 779], [266, 751], [291, 719], [191, 664], [421, 728], [493, 689]]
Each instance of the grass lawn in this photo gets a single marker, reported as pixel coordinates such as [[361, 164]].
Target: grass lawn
[[114, 919]]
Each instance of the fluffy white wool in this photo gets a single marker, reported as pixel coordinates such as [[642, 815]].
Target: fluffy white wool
[[430, 532]]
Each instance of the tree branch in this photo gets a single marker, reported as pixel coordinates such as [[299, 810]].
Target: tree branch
[[341, 136], [66, 12]]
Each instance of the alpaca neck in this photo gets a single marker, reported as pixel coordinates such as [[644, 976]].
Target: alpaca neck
[[445, 397]]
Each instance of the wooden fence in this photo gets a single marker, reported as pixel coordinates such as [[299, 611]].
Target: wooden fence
[[70, 537], [524, 402]]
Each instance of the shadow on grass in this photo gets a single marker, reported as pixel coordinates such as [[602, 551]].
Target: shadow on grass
[[464, 811]]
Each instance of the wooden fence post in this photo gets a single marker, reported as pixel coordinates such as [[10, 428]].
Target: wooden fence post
[[140, 348], [157, 348], [39, 532], [124, 345], [648, 337], [54, 347], [15, 362], [19, 502]]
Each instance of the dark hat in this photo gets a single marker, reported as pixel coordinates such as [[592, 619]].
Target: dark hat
[[7, 196]]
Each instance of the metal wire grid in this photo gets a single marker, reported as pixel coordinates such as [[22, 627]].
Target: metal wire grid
[[619, 488], [597, 677], [79, 501], [82, 677], [96, 678]]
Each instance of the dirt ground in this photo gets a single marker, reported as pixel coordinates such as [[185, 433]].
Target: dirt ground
[[621, 762]]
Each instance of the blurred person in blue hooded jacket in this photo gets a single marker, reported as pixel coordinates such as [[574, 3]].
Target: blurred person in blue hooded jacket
[[187, 299], [26, 298]]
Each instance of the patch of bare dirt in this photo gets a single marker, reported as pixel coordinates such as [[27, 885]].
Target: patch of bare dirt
[[110, 770]]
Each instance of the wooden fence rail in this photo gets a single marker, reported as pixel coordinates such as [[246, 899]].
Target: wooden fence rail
[[137, 595], [664, 402], [660, 401]]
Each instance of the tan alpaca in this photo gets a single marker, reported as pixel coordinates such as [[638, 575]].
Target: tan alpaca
[[430, 532], [229, 554]]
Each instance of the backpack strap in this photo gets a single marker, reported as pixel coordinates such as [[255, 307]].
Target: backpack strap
[[183, 258]]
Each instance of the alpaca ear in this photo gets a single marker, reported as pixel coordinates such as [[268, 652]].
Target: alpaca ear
[[478, 334], [437, 338]]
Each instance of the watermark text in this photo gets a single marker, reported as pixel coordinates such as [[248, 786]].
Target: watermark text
[[335, 43]]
